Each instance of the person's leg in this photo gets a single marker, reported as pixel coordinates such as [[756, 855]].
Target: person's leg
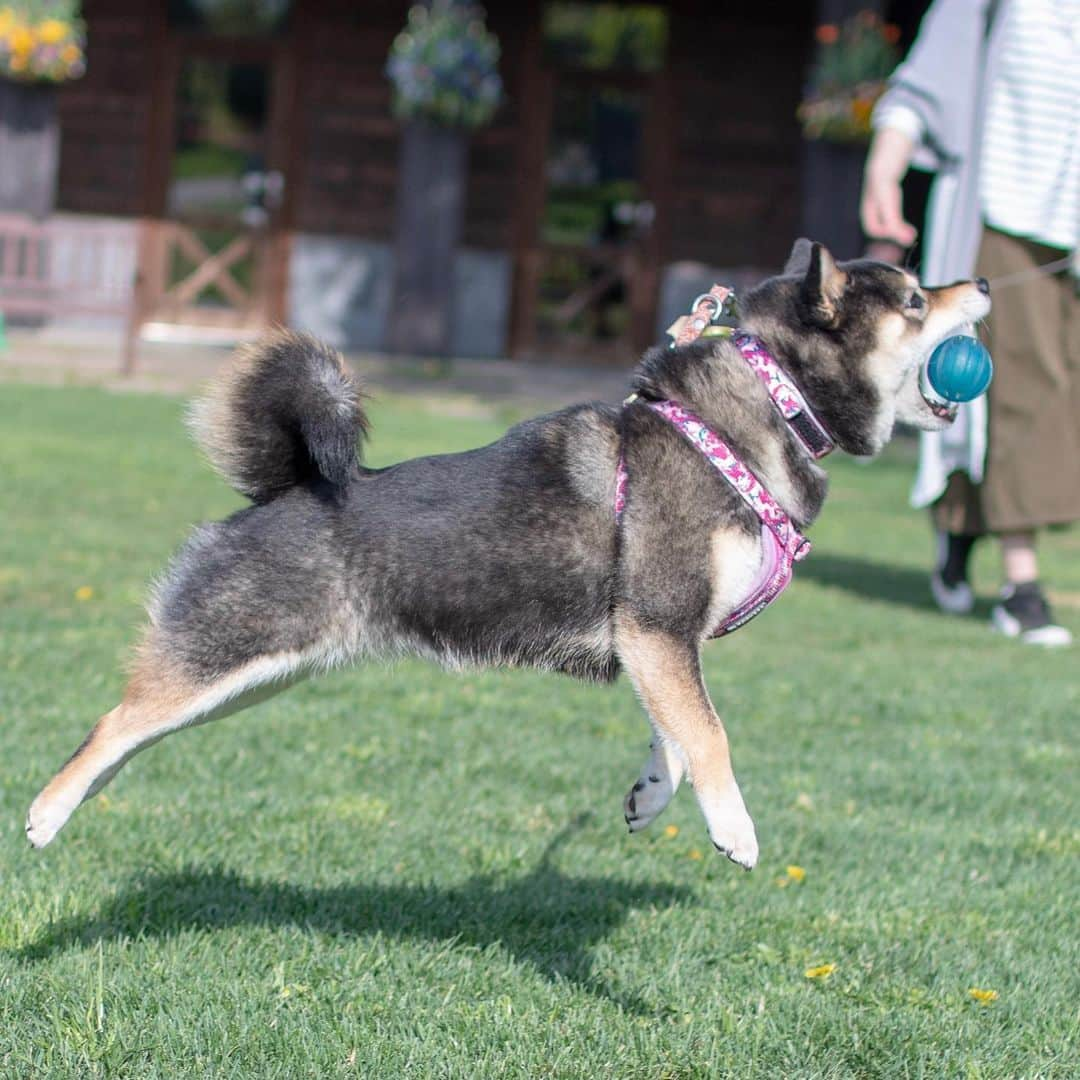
[[958, 522], [1019, 561], [1033, 459]]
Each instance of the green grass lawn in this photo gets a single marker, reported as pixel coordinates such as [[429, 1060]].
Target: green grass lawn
[[397, 872]]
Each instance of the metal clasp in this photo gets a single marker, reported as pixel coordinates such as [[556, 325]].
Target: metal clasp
[[717, 305]]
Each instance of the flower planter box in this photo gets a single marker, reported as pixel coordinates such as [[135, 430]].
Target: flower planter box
[[431, 210], [29, 148]]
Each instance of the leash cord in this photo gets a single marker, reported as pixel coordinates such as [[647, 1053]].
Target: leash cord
[[1035, 271]]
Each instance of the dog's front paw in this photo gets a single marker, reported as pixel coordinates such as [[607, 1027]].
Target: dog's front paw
[[44, 820], [647, 799], [731, 829], [740, 847]]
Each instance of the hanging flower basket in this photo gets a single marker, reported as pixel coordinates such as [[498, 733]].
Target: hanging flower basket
[[853, 63], [41, 41], [444, 67]]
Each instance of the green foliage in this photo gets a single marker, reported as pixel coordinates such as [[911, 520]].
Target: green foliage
[[231, 16], [37, 11], [606, 36], [399, 872], [861, 50], [851, 65]]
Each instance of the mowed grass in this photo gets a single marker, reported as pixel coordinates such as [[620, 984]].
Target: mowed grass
[[398, 872]]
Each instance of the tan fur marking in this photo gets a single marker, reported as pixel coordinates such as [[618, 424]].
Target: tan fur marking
[[667, 677], [734, 560], [670, 688], [157, 701]]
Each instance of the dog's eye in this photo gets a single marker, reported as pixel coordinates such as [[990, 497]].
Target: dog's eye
[[915, 302]]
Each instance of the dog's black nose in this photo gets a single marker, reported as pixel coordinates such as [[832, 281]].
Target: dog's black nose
[[983, 285]]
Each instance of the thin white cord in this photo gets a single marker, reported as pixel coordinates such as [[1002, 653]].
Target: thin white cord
[[1033, 272]]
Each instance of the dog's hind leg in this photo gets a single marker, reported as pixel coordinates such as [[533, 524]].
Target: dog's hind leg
[[666, 673], [158, 700]]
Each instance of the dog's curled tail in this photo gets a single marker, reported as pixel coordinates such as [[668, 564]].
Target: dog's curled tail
[[283, 412]]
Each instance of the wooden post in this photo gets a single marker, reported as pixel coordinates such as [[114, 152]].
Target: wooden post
[[141, 294], [430, 214]]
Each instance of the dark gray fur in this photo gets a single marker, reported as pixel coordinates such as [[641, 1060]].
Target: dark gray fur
[[508, 554]]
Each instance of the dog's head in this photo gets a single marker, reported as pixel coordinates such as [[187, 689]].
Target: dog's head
[[855, 335]]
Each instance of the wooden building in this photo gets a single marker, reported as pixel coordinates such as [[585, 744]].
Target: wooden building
[[262, 158]]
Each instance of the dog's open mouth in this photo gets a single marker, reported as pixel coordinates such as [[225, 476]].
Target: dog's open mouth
[[947, 411], [939, 406]]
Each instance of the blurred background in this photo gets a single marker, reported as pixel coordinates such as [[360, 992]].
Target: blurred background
[[546, 180]]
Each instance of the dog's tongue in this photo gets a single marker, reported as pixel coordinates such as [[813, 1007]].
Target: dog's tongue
[[946, 412]]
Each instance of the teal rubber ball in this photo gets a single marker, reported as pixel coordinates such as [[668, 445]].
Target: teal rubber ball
[[960, 368]]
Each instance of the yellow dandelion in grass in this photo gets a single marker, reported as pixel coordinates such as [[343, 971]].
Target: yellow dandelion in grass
[[822, 971], [84, 592], [793, 875], [671, 830], [695, 854], [983, 997]]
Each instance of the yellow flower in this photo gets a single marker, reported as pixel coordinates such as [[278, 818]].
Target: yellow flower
[[7, 20], [822, 971], [671, 830], [70, 53], [52, 31], [84, 592], [21, 40], [18, 62], [695, 854], [983, 997], [796, 873]]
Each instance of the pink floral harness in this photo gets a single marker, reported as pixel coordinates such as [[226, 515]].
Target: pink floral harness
[[782, 544]]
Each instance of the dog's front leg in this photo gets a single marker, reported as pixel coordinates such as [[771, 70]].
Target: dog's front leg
[[666, 673]]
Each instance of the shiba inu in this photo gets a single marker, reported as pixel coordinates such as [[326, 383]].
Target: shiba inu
[[514, 554]]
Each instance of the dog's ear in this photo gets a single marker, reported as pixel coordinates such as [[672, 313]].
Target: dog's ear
[[823, 285], [799, 260]]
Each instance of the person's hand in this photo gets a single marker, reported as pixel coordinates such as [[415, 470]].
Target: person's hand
[[881, 209]]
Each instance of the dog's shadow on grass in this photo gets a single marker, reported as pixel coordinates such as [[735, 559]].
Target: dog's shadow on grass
[[904, 585], [546, 919]]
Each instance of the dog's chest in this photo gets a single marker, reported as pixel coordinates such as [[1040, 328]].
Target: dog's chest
[[734, 565]]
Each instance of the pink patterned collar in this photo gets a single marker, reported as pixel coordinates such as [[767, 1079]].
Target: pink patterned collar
[[782, 544], [785, 395]]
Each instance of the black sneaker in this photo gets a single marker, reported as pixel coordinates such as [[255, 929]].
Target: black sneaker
[[1024, 613], [949, 581]]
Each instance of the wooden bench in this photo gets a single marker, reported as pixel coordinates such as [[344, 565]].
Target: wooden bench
[[63, 265]]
